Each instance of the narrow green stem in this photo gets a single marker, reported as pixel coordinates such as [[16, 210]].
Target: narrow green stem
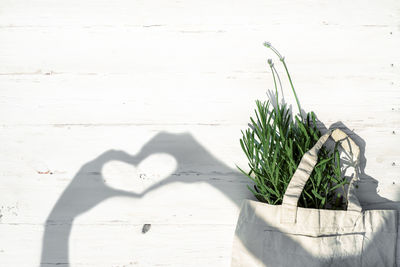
[[287, 72], [291, 84], [276, 87], [279, 80]]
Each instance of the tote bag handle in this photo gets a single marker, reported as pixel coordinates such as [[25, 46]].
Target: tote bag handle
[[305, 168]]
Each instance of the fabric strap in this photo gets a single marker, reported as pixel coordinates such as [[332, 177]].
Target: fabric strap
[[305, 168]]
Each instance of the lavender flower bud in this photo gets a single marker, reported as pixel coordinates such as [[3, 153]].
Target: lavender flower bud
[[267, 44]]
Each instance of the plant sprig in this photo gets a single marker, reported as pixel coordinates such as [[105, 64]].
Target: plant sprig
[[274, 144]]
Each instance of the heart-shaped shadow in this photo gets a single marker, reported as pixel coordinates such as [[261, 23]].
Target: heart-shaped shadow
[[139, 178]]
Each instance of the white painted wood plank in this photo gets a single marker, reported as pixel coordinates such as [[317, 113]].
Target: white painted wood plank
[[122, 245], [192, 49], [254, 12], [185, 99]]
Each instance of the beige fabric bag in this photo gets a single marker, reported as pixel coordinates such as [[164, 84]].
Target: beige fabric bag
[[287, 235]]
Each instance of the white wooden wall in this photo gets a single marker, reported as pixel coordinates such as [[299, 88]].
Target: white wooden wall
[[149, 97]]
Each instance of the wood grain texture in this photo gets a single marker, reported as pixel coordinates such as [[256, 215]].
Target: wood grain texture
[[116, 114]]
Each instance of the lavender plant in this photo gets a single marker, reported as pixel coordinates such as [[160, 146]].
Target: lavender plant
[[274, 144]]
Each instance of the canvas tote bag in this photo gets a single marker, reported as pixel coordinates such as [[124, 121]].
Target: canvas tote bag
[[287, 235]]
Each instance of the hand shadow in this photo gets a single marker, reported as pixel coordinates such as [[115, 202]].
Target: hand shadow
[[87, 188]]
